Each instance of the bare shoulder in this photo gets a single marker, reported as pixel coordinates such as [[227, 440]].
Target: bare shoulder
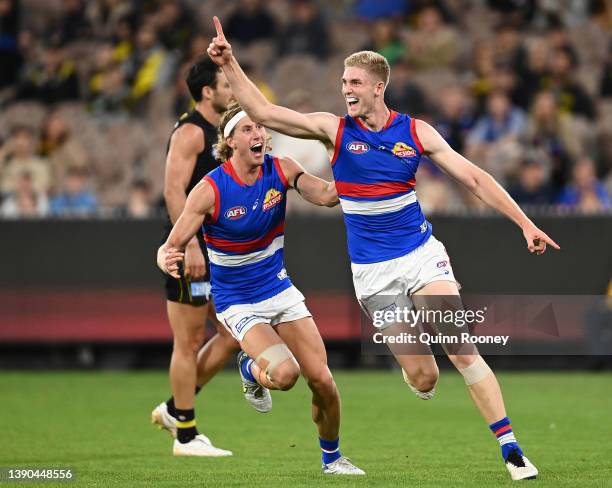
[[188, 138], [429, 137]]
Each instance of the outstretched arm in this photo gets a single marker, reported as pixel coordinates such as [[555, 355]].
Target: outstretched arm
[[312, 188], [320, 125], [481, 184], [200, 203]]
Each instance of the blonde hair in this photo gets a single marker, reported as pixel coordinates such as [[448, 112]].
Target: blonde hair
[[374, 63], [222, 150]]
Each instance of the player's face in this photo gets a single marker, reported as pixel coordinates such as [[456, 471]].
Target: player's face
[[359, 90], [222, 94], [248, 140]]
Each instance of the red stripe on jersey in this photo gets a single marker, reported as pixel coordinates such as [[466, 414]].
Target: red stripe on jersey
[[503, 429], [212, 183], [392, 116], [279, 170], [415, 136], [229, 169], [345, 189], [338, 141], [246, 246]]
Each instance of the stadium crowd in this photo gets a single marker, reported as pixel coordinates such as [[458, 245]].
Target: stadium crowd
[[90, 90]]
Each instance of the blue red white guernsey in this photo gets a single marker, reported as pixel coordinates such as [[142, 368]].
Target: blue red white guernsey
[[375, 179], [245, 236]]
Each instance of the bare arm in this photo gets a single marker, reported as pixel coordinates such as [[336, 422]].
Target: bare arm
[[199, 204], [320, 125], [312, 188], [481, 184], [185, 145]]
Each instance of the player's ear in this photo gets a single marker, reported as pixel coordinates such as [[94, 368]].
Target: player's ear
[[207, 92]]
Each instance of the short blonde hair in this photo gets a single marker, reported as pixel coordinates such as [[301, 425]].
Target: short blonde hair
[[374, 63], [222, 150]]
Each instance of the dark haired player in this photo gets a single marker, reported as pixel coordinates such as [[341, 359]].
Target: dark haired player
[[189, 304]]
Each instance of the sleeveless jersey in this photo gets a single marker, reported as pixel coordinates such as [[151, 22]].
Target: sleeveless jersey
[[375, 179], [205, 161], [245, 236]]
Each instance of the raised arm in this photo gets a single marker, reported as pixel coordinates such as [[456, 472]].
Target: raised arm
[[320, 125], [481, 184], [199, 204], [312, 188]]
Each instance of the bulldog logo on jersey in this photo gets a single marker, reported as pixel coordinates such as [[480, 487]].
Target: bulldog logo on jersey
[[403, 150], [273, 197], [357, 147]]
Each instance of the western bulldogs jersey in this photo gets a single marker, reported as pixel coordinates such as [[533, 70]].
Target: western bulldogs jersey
[[245, 236], [375, 179]]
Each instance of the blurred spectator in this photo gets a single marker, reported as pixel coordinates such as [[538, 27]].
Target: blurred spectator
[[433, 44], [148, 66], [17, 157], [59, 147], [175, 25], [250, 21], [106, 16], [139, 203], [605, 88], [306, 31], [74, 24], [384, 39], [52, 78], [76, 199], [509, 48], [403, 94], [25, 201], [369, 10], [494, 139], [483, 66], [10, 55], [455, 118], [571, 96], [532, 187], [532, 80], [585, 191], [554, 133], [254, 75]]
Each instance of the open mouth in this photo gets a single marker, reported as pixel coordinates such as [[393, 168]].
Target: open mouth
[[257, 148], [352, 101]]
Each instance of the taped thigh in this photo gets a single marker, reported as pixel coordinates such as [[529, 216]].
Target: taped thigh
[[273, 356]]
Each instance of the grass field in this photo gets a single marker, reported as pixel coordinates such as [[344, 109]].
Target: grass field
[[98, 424]]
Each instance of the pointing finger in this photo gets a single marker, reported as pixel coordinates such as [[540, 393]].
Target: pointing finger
[[218, 27]]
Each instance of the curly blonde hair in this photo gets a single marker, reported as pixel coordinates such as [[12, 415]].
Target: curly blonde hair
[[222, 149]]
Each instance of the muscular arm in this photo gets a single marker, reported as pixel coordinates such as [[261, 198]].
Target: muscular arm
[[312, 188], [185, 145], [320, 125], [480, 183], [199, 204]]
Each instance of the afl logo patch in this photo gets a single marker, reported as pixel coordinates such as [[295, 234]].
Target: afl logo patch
[[357, 147], [235, 213], [403, 150]]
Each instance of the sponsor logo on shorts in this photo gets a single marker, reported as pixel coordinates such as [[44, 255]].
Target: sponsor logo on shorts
[[235, 213], [357, 147], [242, 323], [403, 150], [441, 264], [273, 198], [282, 274]]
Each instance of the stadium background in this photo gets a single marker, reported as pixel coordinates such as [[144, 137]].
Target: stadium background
[[89, 91]]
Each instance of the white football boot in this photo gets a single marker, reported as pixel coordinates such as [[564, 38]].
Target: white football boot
[[342, 465], [256, 395], [200, 445], [161, 418], [520, 467]]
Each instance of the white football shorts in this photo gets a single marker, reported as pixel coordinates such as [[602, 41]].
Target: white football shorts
[[379, 285], [288, 305]]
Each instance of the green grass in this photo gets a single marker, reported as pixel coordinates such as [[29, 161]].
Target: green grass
[[98, 424]]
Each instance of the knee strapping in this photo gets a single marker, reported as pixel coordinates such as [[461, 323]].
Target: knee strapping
[[274, 355], [423, 395], [475, 372]]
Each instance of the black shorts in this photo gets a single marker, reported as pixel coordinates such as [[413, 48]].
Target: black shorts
[[183, 290]]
